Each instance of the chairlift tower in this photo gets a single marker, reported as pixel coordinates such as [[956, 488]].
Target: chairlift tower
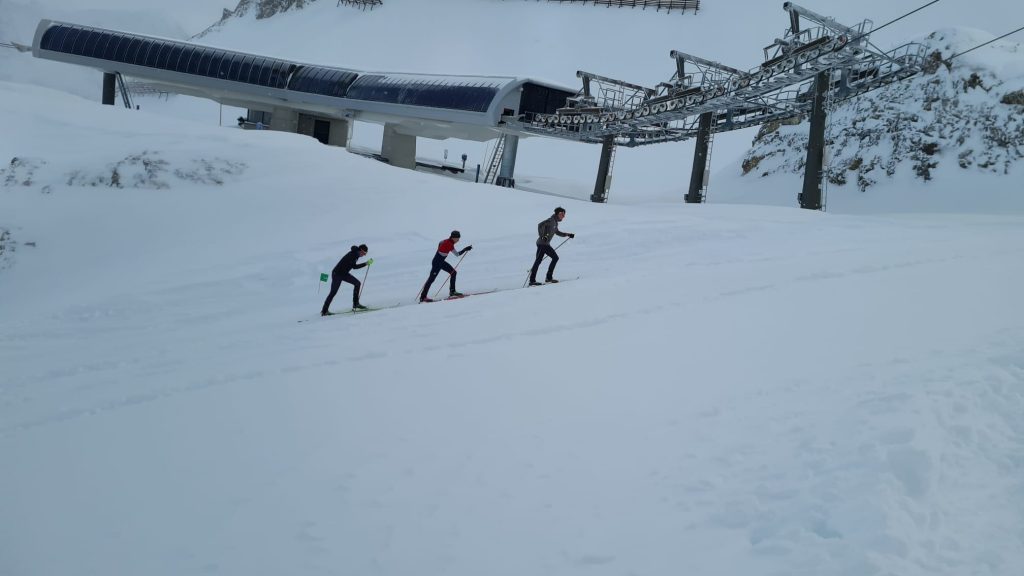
[[817, 59]]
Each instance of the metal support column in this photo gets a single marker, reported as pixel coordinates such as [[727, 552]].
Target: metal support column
[[109, 88], [700, 159], [507, 171], [604, 176], [810, 198]]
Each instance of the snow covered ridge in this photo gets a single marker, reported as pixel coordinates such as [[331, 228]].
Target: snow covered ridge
[[969, 112], [261, 8]]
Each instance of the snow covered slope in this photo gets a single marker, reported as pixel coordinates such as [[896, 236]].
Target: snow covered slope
[[724, 390]]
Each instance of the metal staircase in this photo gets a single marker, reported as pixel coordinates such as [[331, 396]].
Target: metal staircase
[[707, 164], [494, 166], [126, 96]]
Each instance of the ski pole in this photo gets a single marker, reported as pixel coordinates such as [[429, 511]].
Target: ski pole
[[438, 291], [528, 272], [365, 274]]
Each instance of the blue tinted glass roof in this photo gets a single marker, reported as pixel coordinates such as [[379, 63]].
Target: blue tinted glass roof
[[322, 80], [462, 93], [472, 94]]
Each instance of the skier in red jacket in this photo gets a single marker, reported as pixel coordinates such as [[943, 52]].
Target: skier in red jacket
[[443, 249]]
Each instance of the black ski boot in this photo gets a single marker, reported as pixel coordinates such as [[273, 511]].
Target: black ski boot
[[551, 281], [357, 307]]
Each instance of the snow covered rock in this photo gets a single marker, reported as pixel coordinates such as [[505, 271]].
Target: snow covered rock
[[967, 112]]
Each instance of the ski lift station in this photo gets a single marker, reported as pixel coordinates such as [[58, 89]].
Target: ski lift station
[[817, 63]]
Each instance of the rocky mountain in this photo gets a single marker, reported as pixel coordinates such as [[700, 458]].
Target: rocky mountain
[[261, 8], [966, 112]]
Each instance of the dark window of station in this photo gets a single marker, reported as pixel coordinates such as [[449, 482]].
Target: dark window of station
[[193, 62], [140, 56], [69, 40], [133, 49], [257, 71], [111, 48], [53, 38], [161, 59], [154, 54], [79, 44], [88, 44], [122, 47], [276, 73], [101, 45], [181, 62], [220, 65], [236, 65], [318, 84], [298, 79], [265, 71], [204, 63], [174, 58], [246, 69]]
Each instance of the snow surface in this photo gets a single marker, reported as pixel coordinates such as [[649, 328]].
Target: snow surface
[[725, 389]]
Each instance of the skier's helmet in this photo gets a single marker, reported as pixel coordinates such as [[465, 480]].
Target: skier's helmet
[[455, 234]]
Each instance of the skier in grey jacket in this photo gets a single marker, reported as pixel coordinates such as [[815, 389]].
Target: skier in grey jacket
[[547, 230]]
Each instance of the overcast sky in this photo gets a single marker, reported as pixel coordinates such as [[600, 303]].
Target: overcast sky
[[996, 16]]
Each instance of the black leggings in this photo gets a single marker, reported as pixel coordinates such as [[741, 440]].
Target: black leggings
[[544, 250], [336, 280], [436, 265]]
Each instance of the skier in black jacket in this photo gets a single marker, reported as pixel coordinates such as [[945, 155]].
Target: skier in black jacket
[[547, 230], [341, 274]]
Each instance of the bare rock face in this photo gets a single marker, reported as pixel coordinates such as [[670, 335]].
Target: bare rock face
[[268, 8], [261, 8], [962, 113]]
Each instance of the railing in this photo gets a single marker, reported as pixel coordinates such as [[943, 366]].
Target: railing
[[658, 5]]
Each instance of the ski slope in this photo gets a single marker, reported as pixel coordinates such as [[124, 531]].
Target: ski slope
[[725, 390]]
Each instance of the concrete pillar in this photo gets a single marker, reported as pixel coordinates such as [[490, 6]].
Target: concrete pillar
[[284, 120], [507, 171], [305, 124], [398, 149], [341, 133], [604, 171], [109, 88], [700, 160], [810, 198]]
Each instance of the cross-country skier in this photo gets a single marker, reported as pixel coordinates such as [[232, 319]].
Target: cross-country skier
[[341, 274], [547, 230], [438, 263]]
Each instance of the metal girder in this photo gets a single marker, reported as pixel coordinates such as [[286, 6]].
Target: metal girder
[[681, 57], [778, 88], [796, 12]]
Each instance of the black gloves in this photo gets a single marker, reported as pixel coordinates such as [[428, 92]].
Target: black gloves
[[572, 235], [466, 249]]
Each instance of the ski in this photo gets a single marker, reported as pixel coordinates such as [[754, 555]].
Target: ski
[[464, 295], [553, 283], [353, 312]]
